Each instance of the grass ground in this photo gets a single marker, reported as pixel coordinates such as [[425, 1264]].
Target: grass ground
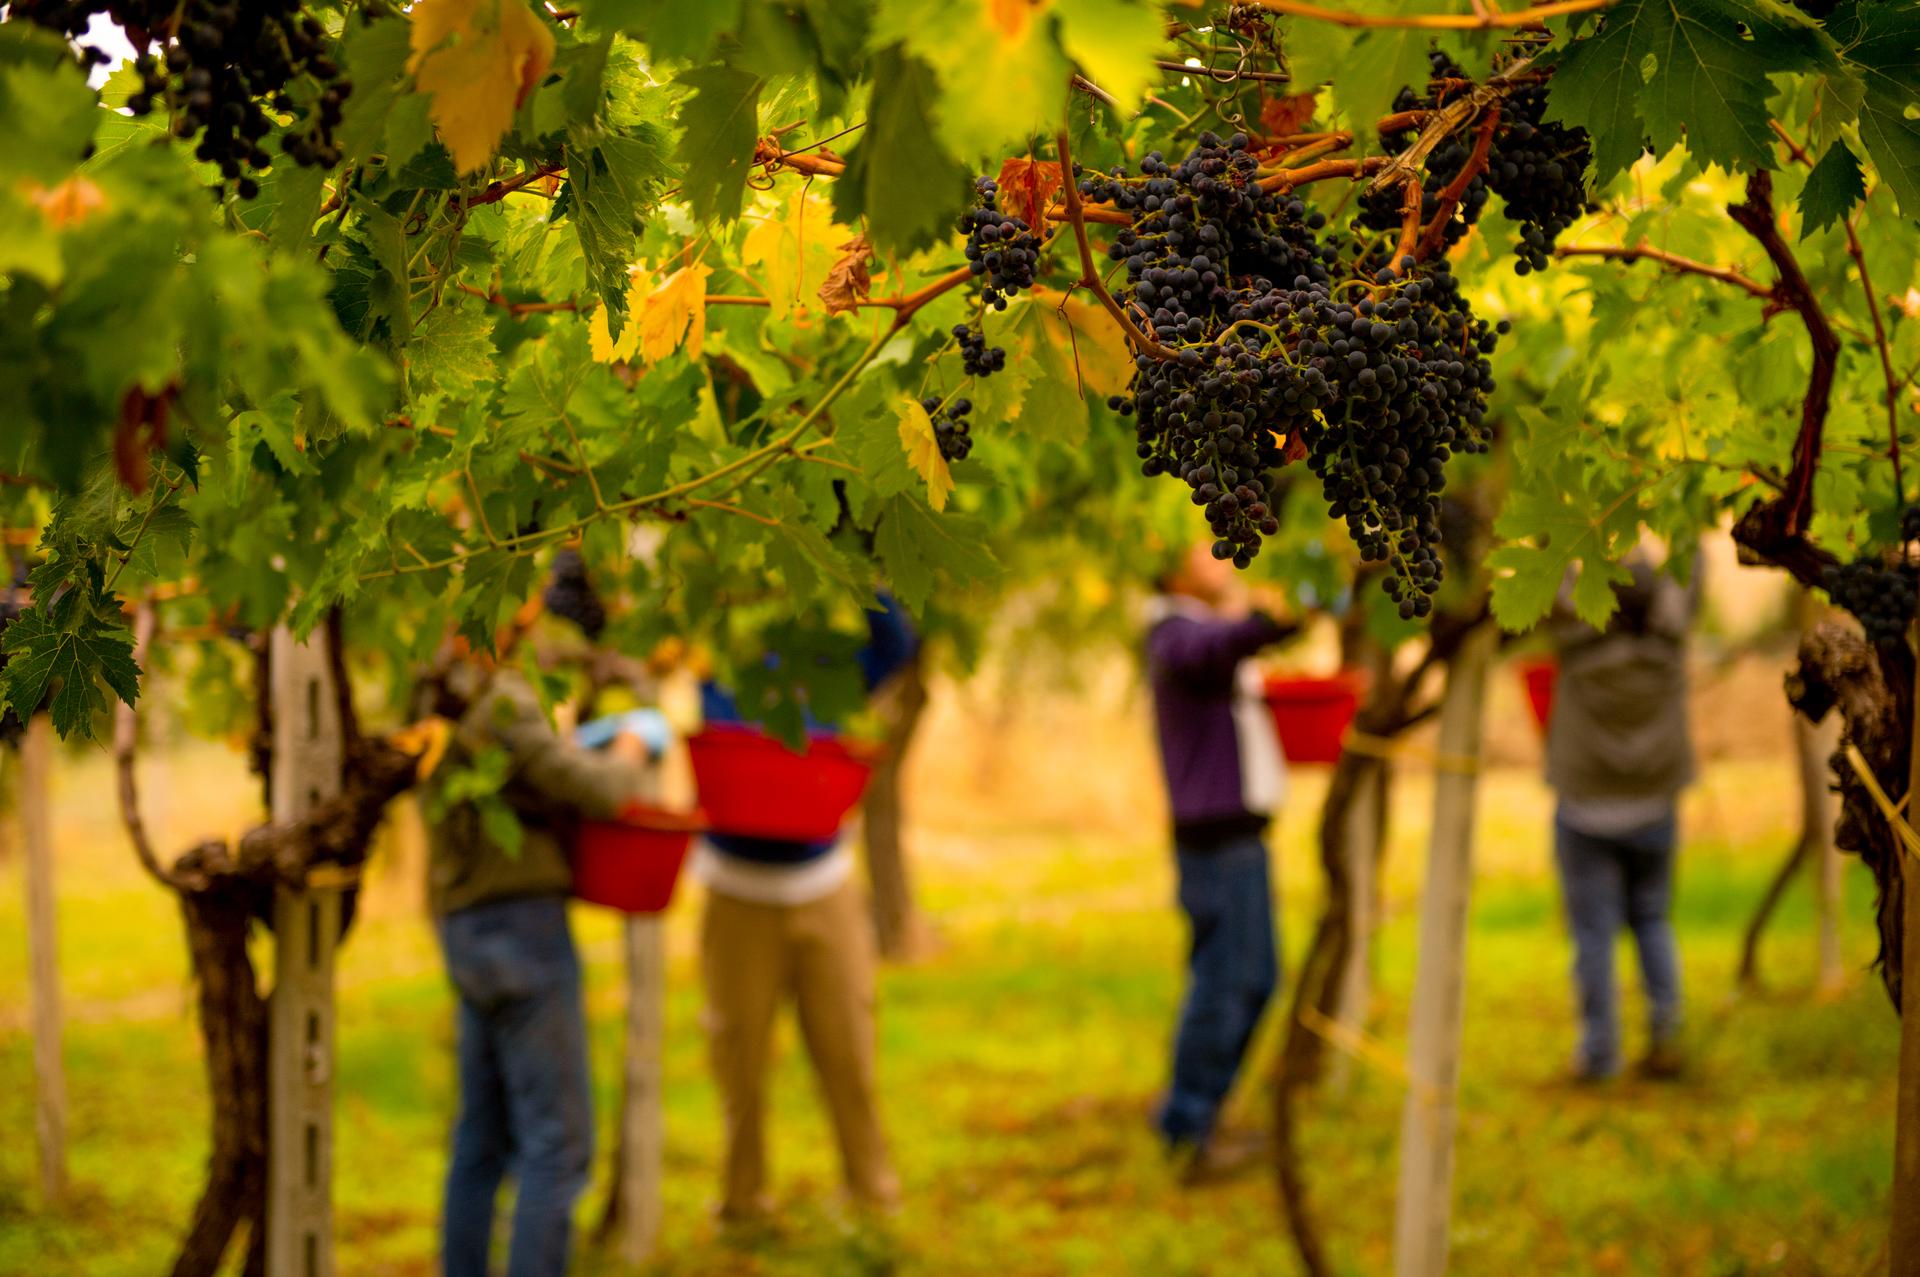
[[1020, 1058]]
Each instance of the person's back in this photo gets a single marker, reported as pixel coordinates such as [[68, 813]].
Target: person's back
[[500, 901], [1619, 753], [1619, 731]]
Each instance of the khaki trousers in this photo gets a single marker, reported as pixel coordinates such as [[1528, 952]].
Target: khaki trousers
[[821, 955]]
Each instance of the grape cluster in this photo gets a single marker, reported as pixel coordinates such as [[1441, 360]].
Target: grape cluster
[[1537, 168], [1881, 597], [1292, 342], [1002, 250], [212, 64], [976, 358], [1380, 210], [571, 597], [951, 430]]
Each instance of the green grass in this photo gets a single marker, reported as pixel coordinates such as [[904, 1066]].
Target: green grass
[[1019, 1062]]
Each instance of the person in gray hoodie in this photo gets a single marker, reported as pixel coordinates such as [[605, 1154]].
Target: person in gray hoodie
[[1619, 752]]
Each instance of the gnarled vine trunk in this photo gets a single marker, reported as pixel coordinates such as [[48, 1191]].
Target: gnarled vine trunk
[[233, 1031]]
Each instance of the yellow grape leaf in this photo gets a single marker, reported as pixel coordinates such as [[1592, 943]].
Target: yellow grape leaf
[[923, 452], [660, 316], [791, 248], [69, 203], [1087, 333], [600, 342], [478, 60], [674, 311]]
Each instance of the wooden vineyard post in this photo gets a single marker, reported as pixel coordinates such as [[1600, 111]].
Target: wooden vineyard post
[[1425, 1199], [307, 758], [1363, 848], [642, 1110], [49, 1072]]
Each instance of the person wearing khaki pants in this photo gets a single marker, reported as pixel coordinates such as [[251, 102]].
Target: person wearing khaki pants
[[820, 954], [784, 922]]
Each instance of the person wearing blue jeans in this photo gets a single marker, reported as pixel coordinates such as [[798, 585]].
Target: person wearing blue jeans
[[526, 1108], [1224, 775], [1618, 755], [1611, 882]]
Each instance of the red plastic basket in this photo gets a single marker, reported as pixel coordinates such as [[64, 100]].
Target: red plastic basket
[[753, 785], [1312, 714], [633, 864], [1540, 675]]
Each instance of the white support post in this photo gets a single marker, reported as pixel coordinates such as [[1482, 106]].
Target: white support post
[[1814, 747], [642, 1113], [1355, 990], [49, 1072], [307, 755], [1425, 1202]]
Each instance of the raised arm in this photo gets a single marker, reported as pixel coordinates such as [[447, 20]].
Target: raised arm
[[1208, 650]]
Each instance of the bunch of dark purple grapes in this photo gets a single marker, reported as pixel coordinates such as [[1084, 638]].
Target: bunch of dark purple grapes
[[1002, 250], [977, 359], [211, 64], [1538, 169], [1284, 345], [951, 430]]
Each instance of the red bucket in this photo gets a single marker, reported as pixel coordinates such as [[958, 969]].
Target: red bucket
[[1540, 675], [1312, 714], [632, 864], [754, 786]]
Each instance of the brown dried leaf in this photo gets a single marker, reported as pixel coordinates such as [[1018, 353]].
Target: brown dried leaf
[[1288, 114], [849, 282]]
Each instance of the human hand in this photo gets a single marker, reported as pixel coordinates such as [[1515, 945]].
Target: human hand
[[628, 748]]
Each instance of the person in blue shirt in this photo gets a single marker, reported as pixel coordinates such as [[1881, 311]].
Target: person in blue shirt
[[784, 921]]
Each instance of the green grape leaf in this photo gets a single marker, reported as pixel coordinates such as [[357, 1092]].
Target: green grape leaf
[[1696, 72], [898, 176], [50, 115], [722, 123], [452, 349], [919, 548], [1879, 43], [375, 55], [671, 28], [1014, 43], [67, 648], [1114, 43], [1833, 188]]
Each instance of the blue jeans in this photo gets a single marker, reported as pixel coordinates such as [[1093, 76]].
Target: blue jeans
[[1609, 883], [525, 1103], [1231, 973]]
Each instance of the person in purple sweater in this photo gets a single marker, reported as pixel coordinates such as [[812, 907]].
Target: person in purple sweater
[[1225, 778]]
